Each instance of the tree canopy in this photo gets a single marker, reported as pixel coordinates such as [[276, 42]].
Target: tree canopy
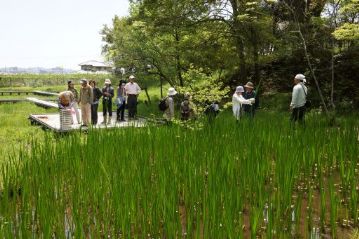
[[234, 41]]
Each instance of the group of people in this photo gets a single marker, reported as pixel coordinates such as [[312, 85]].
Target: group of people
[[244, 100], [90, 96]]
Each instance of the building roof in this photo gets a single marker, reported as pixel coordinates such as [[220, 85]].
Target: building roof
[[95, 63]]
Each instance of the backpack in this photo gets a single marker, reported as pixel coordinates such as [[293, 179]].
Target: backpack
[[185, 109], [163, 104]]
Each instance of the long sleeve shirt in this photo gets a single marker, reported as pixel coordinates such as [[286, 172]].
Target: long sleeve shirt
[[132, 88], [170, 111], [238, 101], [66, 99], [299, 95], [86, 95], [108, 93]]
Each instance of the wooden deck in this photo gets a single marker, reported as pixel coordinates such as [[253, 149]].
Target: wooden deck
[[52, 122]]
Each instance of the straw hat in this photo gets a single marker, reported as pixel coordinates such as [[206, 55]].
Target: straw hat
[[172, 91], [249, 85], [132, 77], [239, 89], [108, 82]]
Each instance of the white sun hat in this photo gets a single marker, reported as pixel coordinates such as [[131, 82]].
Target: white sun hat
[[239, 89], [172, 91], [300, 77], [108, 81]]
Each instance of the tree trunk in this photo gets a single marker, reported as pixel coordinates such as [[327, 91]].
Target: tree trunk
[[161, 82], [238, 40], [148, 96], [255, 56], [178, 59]]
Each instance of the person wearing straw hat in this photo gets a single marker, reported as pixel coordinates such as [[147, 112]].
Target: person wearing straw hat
[[132, 91], [108, 94], [85, 100], [187, 107], [250, 93], [238, 100], [71, 87], [299, 95], [170, 110]]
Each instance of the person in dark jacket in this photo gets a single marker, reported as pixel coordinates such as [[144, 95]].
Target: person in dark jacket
[[96, 98], [121, 101], [108, 94], [250, 93]]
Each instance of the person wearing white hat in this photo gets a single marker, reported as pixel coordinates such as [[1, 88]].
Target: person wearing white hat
[[299, 96], [238, 100], [107, 93], [132, 91], [170, 110], [85, 100]]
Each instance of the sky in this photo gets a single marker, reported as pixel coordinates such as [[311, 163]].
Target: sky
[[54, 33]]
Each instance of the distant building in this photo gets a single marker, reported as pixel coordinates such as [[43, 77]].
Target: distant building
[[94, 66]]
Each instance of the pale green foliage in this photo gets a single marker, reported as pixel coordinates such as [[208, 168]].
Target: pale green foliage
[[203, 88], [348, 32], [352, 8], [349, 13]]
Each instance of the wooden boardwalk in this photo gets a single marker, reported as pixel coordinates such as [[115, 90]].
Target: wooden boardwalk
[[15, 92], [27, 92], [52, 122], [43, 103]]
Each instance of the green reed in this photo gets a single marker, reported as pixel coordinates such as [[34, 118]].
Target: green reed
[[224, 180]]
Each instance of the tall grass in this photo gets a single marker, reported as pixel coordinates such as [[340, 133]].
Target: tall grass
[[225, 180]]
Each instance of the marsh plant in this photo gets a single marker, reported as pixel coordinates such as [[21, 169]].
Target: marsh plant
[[256, 178]]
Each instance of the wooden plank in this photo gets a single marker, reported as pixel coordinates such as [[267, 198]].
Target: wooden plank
[[42, 103], [36, 92], [12, 100], [10, 92], [52, 122]]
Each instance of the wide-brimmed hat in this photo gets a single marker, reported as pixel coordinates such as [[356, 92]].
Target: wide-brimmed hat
[[300, 77], [249, 85], [83, 81], [132, 77], [171, 91], [239, 89], [108, 81]]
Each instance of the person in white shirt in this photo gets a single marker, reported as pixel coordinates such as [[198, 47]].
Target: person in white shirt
[[299, 96], [238, 100], [132, 91], [170, 111]]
